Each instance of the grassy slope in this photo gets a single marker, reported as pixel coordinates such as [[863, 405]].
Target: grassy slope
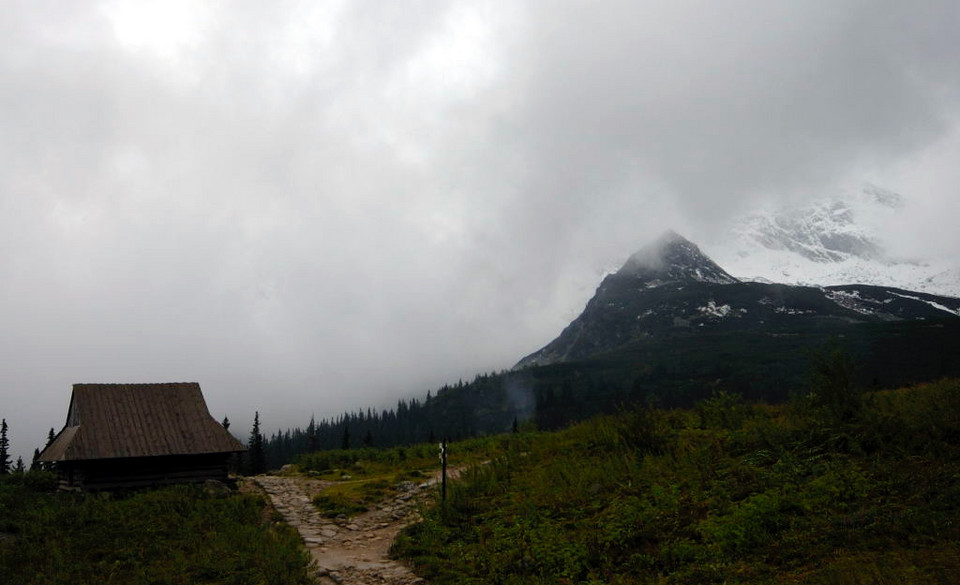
[[725, 493], [366, 476], [177, 535]]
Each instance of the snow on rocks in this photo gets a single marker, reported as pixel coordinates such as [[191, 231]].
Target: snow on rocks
[[933, 304], [834, 240], [714, 310], [854, 301]]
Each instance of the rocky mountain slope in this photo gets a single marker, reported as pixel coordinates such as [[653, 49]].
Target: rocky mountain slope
[[830, 241], [671, 288], [672, 328]]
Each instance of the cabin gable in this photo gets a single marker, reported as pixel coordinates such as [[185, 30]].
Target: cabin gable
[[131, 435]]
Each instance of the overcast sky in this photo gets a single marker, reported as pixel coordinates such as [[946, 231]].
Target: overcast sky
[[314, 206]]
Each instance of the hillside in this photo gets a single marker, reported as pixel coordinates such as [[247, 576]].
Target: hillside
[[670, 327], [835, 488], [182, 534], [670, 287]]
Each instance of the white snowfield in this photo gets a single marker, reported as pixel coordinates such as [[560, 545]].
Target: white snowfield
[[832, 241]]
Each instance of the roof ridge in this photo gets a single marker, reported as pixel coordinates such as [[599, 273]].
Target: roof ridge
[[133, 420]]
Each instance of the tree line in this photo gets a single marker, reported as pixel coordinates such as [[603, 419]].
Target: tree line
[[491, 403], [551, 396], [6, 465]]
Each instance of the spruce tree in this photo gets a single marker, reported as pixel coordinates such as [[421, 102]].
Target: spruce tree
[[226, 424], [35, 464], [4, 449], [312, 442], [20, 467], [50, 437], [256, 457]]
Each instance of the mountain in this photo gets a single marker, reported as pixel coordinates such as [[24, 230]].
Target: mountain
[[671, 328], [672, 259], [671, 289], [831, 241]]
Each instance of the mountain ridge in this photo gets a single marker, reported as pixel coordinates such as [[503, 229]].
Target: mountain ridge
[[839, 239], [673, 258], [670, 287], [658, 334]]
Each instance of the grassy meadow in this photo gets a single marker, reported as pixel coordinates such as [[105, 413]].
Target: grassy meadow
[[836, 488], [180, 535], [366, 476]]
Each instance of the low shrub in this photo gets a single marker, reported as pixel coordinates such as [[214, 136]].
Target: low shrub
[[177, 535], [809, 492]]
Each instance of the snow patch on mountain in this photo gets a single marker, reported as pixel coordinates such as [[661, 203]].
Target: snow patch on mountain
[[671, 258], [714, 310], [853, 300], [933, 304], [831, 241]]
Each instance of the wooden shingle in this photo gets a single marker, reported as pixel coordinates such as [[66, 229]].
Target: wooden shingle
[[108, 421]]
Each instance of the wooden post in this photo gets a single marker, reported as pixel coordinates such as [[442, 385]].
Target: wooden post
[[443, 472]]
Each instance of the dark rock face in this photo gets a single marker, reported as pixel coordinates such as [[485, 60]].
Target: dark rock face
[[670, 259], [670, 288]]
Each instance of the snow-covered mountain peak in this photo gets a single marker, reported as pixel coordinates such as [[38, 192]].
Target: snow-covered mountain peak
[[830, 241], [673, 258], [826, 230]]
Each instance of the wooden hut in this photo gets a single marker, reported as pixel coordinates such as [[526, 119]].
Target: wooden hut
[[130, 435]]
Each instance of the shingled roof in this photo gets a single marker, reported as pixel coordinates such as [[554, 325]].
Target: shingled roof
[[107, 421]]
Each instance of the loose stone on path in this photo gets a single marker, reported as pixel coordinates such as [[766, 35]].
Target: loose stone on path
[[347, 551]]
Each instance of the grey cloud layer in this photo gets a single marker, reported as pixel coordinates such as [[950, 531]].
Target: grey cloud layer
[[311, 207]]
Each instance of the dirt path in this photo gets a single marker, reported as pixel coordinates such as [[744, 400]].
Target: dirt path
[[348, 551]]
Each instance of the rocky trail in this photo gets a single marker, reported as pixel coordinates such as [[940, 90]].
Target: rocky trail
[[354, 550]]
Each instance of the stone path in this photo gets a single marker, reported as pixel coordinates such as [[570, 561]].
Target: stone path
[[348, 551]]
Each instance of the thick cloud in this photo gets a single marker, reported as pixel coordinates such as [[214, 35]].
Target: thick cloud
[[312, 206]]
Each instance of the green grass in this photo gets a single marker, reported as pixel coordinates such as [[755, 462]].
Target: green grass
[[177, 535], [366, 476], [352, 497], [727, 492]]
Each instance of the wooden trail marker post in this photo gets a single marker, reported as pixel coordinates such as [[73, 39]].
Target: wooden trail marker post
[[443, 470]]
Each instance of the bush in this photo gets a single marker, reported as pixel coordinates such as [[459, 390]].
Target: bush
[[833, 384], [750, 525], [178, 534], [727, 493], [723, 410]]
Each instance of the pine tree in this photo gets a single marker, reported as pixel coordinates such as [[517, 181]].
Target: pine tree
[[312, 436], [345, 440], [50, 437], [20, 467], [833, 384], [226, 424], [35, 464], [256, 457], [4, 449]]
